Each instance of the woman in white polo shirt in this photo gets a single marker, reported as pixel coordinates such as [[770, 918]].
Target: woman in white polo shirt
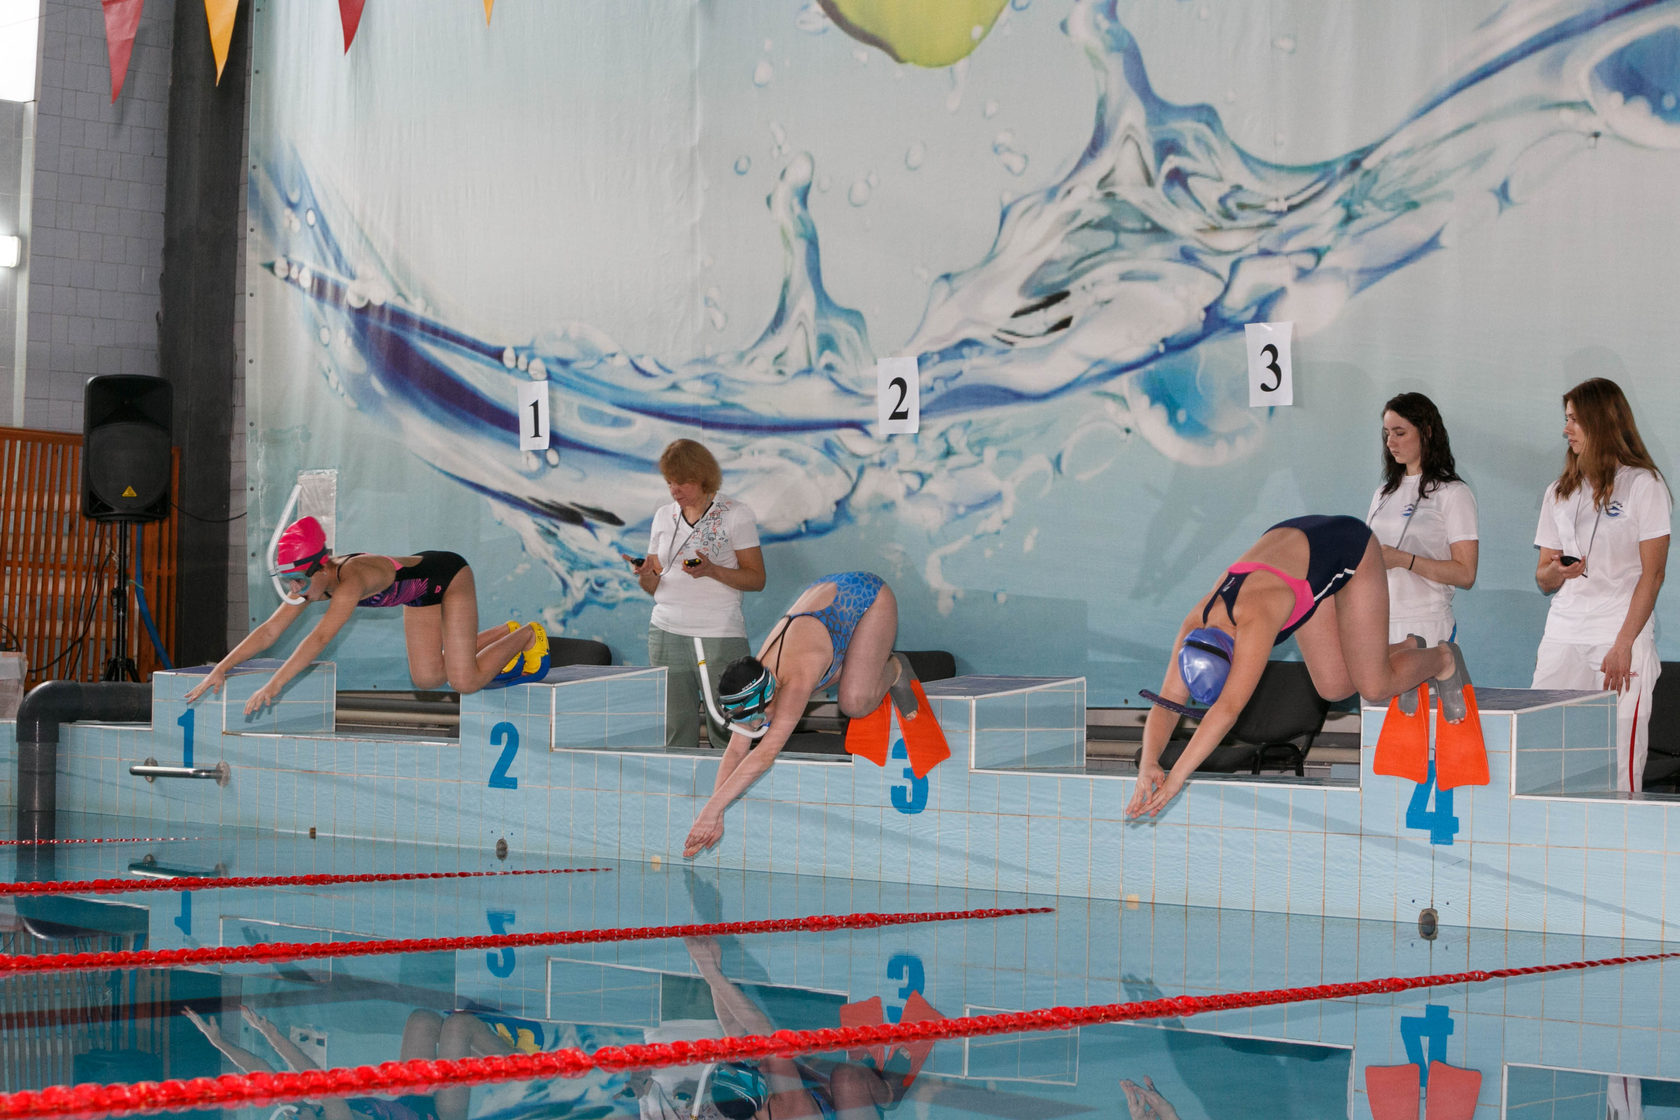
[[1603, 540], [703, 553], [1424, 516]]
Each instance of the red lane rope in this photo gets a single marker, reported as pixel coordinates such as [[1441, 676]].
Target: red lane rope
[[227, 882], [15, 964], [420, 1076], [100, 840]]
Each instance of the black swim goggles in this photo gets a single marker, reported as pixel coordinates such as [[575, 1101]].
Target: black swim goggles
[[750, 705]]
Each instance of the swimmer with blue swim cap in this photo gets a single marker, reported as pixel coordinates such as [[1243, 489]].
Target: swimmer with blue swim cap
[[1319, 580]]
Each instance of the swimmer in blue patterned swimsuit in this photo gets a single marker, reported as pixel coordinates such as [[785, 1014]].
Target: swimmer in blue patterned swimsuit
[[839, 630], [440, 617]]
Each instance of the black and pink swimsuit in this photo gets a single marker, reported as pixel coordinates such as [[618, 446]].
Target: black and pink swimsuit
[[421, 584]]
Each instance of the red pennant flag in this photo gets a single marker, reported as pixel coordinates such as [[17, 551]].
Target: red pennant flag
[[122, 20], [350, 14], [218, 14]]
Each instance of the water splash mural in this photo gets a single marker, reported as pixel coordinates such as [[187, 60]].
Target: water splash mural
[[1106, 313]]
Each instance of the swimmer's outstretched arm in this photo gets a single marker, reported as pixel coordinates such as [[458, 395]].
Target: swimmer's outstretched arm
[[743, 763], [1155, 788], [266, 634], [338, 613]]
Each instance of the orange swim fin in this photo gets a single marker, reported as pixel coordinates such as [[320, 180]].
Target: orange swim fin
[[870, 736], [1403, 743], [1460, 750], [865, 1013], [1452, 1091], [916, 1010], [924, 739], [1393, 1091]]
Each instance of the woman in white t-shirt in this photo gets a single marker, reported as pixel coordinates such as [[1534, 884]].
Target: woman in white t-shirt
[[1603, 541], [703, 553], [1424, 516]]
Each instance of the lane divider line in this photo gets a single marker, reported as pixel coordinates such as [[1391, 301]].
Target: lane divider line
[[230, 882], [268, 952]]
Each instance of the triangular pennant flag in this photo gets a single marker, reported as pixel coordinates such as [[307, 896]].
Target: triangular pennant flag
[[350, 15], [122, 20], [488, 4], [219, 15]]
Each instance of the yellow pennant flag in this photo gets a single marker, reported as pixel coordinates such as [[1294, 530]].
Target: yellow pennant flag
[[219, 14], [488, 4]]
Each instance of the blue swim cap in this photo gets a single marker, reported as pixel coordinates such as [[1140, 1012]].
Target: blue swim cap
[[1204, 661]]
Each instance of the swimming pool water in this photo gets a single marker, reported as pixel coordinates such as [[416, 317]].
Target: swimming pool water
[[1569, 1044]]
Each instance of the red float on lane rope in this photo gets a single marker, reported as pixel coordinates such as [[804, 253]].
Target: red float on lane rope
[[423, 1076], [98, 840], [15, 964], [228, 882]]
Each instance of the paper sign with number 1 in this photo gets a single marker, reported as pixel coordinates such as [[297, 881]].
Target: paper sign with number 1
[[533, 416], [1271, 382], [898, 396]]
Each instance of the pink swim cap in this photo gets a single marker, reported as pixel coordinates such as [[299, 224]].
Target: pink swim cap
[[302, 548]]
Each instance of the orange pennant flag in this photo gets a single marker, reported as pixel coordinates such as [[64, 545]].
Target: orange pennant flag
[[122, 20], [488, 4], [219, 15], [350, 15]]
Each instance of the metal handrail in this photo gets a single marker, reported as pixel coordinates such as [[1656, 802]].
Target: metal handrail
[[152, 771]]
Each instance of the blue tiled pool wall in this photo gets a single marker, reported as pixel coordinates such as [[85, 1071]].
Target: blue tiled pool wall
[[1089, 951], [1384, 851]]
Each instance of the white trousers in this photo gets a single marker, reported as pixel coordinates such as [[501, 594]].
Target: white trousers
[[1434, 629], [1568, 665]]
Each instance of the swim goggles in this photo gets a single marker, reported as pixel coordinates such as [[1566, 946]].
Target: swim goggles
[[750, 705]]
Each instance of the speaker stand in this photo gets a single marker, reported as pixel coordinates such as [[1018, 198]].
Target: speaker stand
[[121, 666]]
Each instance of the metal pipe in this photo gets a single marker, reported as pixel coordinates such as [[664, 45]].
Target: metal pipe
[[44, 708], [151, 771]]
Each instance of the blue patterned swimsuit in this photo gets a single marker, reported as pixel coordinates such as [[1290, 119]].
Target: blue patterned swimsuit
[[853, 594]]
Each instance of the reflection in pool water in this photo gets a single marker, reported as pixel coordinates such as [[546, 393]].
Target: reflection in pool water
[[1314, 1059]]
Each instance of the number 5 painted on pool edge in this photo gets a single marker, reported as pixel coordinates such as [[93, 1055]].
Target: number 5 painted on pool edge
[[499, 776], [500, 966]]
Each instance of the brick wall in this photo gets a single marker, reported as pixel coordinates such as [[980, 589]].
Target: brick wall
[[96, 245]]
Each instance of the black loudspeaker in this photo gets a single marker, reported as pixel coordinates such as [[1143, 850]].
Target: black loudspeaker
[[125, 448]]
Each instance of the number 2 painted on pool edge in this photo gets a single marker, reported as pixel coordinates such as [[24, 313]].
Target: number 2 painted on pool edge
[[499, 776]]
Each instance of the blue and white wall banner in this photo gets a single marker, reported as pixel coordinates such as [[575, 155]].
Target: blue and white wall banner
[[711, 221]]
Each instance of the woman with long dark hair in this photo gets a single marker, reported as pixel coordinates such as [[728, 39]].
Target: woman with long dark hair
[[1603, 541], [1424, 517]]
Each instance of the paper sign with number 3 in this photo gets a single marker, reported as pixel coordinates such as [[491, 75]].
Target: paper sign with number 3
[[1270, 379], [898, 396]]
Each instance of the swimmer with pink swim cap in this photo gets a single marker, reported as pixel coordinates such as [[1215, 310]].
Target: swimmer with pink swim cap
[[440, 617]]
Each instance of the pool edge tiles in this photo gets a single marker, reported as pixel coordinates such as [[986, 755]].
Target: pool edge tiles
[[1384, 850]]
